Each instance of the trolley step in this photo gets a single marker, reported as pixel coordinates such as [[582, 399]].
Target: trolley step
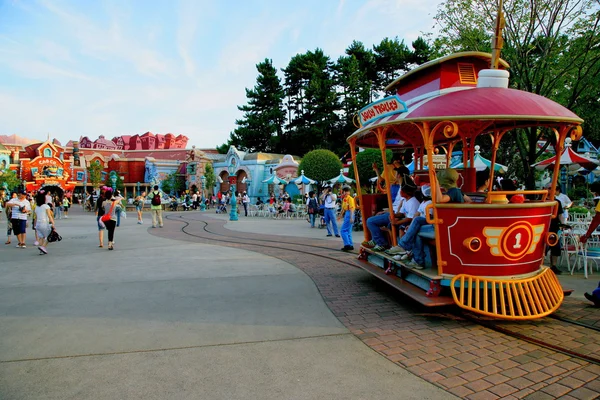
[[407, 288]]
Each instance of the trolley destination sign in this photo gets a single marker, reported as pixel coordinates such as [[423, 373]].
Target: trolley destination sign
[[382, 108]]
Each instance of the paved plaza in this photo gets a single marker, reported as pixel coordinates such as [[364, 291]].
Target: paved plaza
[[199, 310], [160, 318]]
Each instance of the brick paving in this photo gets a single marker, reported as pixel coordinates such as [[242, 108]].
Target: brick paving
[[461, 357]]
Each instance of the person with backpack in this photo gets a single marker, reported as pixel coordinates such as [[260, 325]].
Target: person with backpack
[[156, 207], [312, 207]]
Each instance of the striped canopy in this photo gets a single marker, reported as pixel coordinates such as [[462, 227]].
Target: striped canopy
[[303, 180], [341, 178], [274, 180], [481, 163], [570, 159]]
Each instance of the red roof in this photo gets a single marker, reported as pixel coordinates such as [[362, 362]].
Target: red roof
[[473, 110]]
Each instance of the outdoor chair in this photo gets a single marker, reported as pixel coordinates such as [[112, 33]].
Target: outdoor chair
[[252, 210]]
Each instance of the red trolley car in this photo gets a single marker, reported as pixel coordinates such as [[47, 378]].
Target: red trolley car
[[487, 256]]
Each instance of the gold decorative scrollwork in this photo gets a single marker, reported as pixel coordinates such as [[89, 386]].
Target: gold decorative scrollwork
[[356, 121], [576, 133], [449, 129]]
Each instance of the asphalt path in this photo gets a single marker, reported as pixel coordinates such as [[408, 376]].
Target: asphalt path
[[164, 319]]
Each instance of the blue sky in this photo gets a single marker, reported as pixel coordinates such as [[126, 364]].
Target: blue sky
[[74, 68]]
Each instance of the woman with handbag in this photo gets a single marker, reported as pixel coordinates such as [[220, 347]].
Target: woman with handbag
[[111, 205], [44, 221]]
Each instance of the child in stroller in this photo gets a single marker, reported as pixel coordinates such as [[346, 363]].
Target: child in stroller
[[221, 208]]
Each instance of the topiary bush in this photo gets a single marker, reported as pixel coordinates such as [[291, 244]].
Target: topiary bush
[[320, 165], [364, 162]]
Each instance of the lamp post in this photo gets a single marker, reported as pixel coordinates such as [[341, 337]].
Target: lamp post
[[233, 214]]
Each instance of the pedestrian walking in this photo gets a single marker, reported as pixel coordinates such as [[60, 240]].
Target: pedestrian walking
[[20, 208], [44, 221], [58, 207], [347, 214], [8, 212], [99, 213], [245, 203], [139, 206], [111, 205], [312, 207], [156, 207], [66, 204]]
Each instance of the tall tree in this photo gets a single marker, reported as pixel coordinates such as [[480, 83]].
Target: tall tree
[[261, 126], [367, 64], [312, 103], [551, 46], [392, 58], [422, 52], [354, 90]]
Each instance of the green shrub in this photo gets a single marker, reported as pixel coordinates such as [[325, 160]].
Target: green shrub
[[578, 210], [320, 165]]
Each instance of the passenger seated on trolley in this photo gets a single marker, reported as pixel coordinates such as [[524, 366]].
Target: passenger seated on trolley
[[390, 171], [410, 245], [374, 223], [447, 179]]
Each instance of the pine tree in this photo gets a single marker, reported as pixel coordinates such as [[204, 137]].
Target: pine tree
[[261, 127]]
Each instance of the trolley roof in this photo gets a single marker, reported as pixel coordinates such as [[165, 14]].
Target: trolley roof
[[474, 110]]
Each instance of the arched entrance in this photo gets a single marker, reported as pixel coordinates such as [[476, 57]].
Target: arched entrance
[[224, 187], [241, 186], [54, 190]]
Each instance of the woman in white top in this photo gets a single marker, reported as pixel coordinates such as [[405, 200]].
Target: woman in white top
[[44, 221]]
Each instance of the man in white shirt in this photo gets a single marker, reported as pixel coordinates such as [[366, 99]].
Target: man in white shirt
[[20, 208], [195, 200], [329, 201], [245, 202], [565, 201]]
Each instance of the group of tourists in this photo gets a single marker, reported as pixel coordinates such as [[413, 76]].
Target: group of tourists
[[41, 206]]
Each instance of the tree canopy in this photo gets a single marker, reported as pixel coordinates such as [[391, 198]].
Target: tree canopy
[[553, 48], [320, 165], [316, 105]]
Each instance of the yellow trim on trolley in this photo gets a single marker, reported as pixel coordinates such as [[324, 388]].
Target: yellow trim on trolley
[[518, 299]]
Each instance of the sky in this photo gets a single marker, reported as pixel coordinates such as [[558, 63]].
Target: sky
[[117, 67]]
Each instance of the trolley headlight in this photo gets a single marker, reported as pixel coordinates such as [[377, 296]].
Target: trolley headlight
[[552, 239], [472, 243]]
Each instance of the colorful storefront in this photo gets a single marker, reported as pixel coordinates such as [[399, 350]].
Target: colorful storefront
[[247, 171]]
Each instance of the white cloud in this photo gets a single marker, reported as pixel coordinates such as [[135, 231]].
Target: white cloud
[[112, 68]]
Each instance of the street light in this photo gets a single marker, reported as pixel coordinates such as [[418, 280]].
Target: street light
[[233, 214], [202, 200]]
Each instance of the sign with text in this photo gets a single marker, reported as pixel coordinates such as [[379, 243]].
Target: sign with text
[[382, 108], [439, 161]]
